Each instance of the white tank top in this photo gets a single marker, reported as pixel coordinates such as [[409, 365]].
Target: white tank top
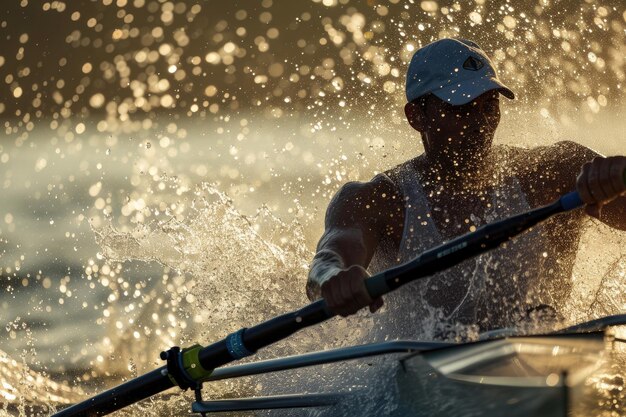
[[490, 291]]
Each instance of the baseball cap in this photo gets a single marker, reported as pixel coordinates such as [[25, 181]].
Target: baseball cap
[[455, 70]]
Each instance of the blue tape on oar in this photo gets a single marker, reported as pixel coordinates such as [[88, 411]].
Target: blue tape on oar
[[235, 346], [571, 201]]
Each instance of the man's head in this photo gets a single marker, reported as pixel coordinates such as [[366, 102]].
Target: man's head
[[453, 97]]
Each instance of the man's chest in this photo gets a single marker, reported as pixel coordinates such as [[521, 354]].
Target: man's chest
[[458, 213]]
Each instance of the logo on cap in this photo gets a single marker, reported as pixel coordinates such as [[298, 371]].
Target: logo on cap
[[473, 64]]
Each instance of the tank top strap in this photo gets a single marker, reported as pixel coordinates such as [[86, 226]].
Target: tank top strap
[[420, 232]]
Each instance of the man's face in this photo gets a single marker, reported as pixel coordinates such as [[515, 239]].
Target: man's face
[[461, 130]]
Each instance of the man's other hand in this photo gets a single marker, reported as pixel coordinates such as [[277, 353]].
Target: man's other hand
[[601, 181], [345, 293]]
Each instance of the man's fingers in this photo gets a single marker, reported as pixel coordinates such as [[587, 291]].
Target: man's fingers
[[604, 179], [593, 181], [377, 304], [348, 304], [601, 181], [341, 293], [582, 184], [336, 292], [359, 291], [618, 167], [346, 293], [593, 210], [331, 294]]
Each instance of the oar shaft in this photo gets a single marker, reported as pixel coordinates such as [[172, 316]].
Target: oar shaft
[[121, 396], [267, 333]]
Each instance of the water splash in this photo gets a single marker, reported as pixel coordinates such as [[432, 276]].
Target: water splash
[[26, 391], [142, 73], [222, 270]]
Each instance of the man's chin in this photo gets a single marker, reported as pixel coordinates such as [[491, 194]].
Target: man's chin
[[478, 145]]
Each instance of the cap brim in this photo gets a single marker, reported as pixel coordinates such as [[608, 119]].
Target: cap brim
[[471, 89]]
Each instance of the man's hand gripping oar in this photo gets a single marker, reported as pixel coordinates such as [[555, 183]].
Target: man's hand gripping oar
[[600, 182], [189, 367]]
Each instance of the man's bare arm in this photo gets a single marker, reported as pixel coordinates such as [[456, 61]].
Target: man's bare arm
[[356, 219], [599, 180]]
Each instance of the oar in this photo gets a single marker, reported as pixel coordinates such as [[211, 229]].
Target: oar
[[188, 368]]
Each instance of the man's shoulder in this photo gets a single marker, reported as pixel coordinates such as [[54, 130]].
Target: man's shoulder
[[377, 191], [565, 149], [399, 173], [386, 182], [380, 183], [545, 172], [564, 157], [373, 205]]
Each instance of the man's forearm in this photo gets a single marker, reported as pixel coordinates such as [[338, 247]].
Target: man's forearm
[[326, 263]]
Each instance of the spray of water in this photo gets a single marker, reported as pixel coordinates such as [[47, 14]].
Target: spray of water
[[103, 111]]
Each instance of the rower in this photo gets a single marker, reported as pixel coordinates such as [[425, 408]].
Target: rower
[[460, 182]]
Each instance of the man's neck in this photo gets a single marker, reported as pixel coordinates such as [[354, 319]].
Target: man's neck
[[462, 171]]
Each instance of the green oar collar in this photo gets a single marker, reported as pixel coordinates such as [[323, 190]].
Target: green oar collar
[[184, 368]]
